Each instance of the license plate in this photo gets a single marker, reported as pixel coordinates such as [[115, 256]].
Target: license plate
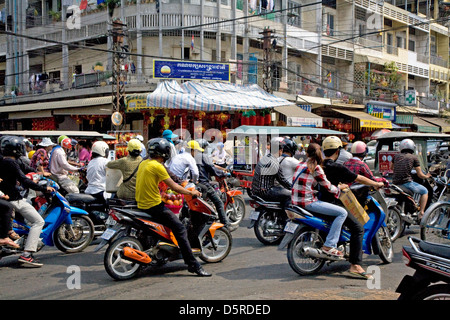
[[290, 227], [254, 215], [108, 234], [110, 221]]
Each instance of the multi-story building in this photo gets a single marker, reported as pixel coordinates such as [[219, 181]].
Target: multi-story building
[[323, 54]]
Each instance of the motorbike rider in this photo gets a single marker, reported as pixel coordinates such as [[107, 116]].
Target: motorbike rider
[[357, 165], [183, 161], [337, 173], [150, 173], [59, 166], [308, 175], [96, 171], [403, 163], [207, 169], [12, 148], [267, 170], [128, 165], [287, 161]]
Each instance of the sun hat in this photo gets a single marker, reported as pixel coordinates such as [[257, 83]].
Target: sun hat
[[46, 142]]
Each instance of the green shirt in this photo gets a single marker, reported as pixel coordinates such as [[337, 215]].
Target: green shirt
[[127, 166]]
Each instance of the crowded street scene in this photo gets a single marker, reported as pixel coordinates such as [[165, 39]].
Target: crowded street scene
[[228, 156]]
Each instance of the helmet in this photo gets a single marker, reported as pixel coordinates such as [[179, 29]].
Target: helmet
[[288, 145], [194, 145], [61, 138], [12, 146], [407, 144], [134, 145], [66, 143], [203, 143], [140, 138], [100, 148], [331, 142], [30, 154], [159, 147], [359, 148]]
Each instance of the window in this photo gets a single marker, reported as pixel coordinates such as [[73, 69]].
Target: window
[[294, 14], [412, 45], [330, 24], [399, 42]]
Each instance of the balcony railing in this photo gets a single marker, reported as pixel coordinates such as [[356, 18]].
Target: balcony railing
[[438, 61]]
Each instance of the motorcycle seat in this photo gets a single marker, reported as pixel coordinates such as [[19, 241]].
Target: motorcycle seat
[[271, 204], [406, 190], [134, 212], [435, 249], [82, 197]]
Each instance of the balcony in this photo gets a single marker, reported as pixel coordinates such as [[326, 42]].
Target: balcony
[[438, 61]]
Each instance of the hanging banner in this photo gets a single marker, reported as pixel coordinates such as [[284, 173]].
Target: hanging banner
[[188, 70]]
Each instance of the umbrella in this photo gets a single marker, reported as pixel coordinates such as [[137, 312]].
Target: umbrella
[[378, 133]]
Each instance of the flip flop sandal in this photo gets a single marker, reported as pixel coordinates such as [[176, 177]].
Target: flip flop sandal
[[14, 236], [333, 252], [361, 275]]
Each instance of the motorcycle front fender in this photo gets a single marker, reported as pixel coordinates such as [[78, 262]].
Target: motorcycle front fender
[[214, 227], [233, 193], [75, 211]]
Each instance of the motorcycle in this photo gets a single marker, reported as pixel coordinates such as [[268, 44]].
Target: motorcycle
[[431, 279], [305, 234], [68, 229], [233, 201], [406, 210], [136, 241], [267, 220]]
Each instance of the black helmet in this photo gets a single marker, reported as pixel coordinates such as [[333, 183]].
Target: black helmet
[[288, 145], [203, 143], [12, 146], [159, 147]]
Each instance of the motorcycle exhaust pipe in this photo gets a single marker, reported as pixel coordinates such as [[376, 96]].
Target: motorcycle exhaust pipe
[[134, 255], [319, 254]]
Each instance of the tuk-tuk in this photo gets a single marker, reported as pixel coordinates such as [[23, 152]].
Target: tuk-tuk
[[249, 143], [388, 146]]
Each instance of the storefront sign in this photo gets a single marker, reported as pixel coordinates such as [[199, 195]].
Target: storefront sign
[[167, 69], [378, 124], [380, 111], [304, 122], [385, 159]]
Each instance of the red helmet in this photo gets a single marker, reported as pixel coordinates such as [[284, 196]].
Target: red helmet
[[66, 143]]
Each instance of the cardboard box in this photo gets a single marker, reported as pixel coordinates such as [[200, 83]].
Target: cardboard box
[[352, 205]]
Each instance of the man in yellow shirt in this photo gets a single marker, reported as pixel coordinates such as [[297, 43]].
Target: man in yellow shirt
[[150, 173]]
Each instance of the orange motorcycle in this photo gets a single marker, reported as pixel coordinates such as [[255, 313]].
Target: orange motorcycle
[[136, 241]]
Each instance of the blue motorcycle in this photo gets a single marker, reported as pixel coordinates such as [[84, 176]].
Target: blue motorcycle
[[305, 234], [67, 228]]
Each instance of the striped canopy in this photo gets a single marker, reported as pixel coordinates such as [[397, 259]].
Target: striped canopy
[[212, 96]]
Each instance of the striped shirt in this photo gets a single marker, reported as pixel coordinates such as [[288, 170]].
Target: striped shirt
[[303, 190], [266, 171], [403, 164]]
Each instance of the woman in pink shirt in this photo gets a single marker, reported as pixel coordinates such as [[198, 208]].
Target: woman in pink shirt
[[84, 155]]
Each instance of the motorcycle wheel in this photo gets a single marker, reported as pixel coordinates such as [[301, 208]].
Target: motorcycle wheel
[[435, 226], [384, 243], [395, 223], [434, 292], [269, 222], [76, 237], [236, 212], [117, 267], [305, 237], [222, 246]]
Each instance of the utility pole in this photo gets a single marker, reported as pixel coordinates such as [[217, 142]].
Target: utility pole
[[267, 47], [119, 75]]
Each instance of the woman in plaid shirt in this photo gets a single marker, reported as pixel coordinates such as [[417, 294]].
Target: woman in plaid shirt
[[308, 175]]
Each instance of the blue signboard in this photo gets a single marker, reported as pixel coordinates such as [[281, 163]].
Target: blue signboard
[[381, 111], [168, 69]]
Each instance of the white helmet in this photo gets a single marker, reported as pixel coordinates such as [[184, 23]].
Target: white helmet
[[407, 144], [100, 147]]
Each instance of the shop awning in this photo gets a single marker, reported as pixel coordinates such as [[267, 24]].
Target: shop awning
[[365, 120], [425, 126], [318, 101], [211, 96], [297, 117], [445, 126], [281, 131]]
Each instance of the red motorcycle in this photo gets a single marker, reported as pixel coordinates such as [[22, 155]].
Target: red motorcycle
[[136, 241], [233, 201]]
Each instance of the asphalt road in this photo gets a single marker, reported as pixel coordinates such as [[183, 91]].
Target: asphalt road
[[252, 271]]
